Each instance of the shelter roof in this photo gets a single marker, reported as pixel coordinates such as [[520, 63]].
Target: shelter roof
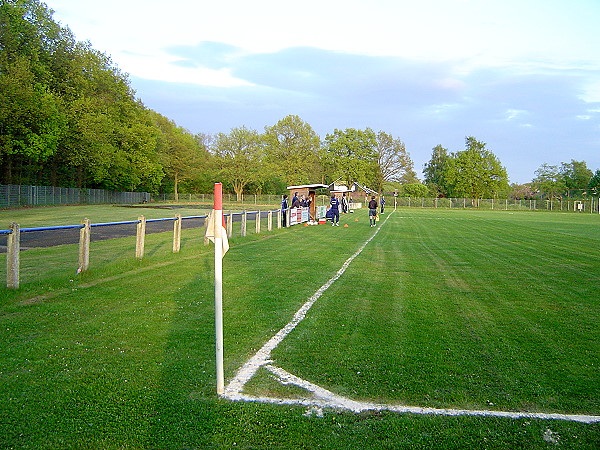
[[308, 186], [353, 188]]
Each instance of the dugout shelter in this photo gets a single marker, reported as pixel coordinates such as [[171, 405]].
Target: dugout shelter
[[308, 190]]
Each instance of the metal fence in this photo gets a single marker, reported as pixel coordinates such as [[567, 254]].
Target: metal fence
[[588, 205], [16, 195]]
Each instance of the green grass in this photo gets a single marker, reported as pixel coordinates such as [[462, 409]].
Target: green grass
[[456, 309]]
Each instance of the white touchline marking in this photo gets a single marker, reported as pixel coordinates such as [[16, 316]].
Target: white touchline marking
[[326, 399]]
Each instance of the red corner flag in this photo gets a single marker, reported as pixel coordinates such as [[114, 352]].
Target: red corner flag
[[216, 229]]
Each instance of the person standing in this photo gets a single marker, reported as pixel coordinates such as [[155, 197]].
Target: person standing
[[344, 204], [382, 203], [284, 210], [295, 201], [372, 211], [335, 211]]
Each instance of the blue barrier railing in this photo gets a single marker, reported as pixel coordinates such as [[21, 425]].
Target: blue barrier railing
[[13, 244], [127, 222]]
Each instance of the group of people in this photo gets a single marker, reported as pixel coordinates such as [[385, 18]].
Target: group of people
[[303, 201], [334, 207]]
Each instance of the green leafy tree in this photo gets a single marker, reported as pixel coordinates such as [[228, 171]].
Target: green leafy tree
[[436, 170], [66, 110], [414, 190], [111, 140], [292, 150], [352, 155], [576, 176], [548, 181], [239, 156], [31, 121], [182, 154], [476, 172], [594, 183], [138, 163]]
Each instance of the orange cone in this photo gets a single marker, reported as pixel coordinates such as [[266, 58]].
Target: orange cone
[[346, 226]]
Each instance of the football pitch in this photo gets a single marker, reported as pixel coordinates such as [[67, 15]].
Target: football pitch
[[437, 328]]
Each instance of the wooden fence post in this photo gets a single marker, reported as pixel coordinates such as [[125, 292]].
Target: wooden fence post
[[258, 222], [12, 256], [279, 219], [84, 246], [140, 237], [244, 223], [177, 234], [207, 220], [229, 225], [270, 221]]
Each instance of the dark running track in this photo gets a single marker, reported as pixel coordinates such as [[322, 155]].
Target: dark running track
[[51, 238]]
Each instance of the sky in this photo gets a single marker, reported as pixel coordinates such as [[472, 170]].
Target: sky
[[523, 76]]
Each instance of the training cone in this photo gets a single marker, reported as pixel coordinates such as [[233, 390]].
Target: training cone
[[346, 226], [356, 220], [305, 224]]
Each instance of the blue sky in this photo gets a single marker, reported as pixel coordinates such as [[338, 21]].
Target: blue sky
[[523, 76]]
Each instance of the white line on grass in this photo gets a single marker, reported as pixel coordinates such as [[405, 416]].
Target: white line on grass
[[324, 398]]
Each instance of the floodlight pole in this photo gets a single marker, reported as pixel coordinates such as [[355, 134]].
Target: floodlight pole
[[217, 220]]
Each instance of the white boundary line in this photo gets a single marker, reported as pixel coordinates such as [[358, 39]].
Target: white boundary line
[[322, 398]]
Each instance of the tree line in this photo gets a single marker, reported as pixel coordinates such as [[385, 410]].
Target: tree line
[[477, 173], [69, 117]]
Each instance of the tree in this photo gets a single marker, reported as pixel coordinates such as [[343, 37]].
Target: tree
[[576, 175], [111, 140], [239, 156], [594, 183], [31, 121], [352, 156], [436, 169], [292, 147], [476, 172], [394, 161], [182, 153], [521, 191], [548, 181], [414, 190], [67, 114]]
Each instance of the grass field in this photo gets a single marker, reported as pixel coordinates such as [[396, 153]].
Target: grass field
[[443, 309]]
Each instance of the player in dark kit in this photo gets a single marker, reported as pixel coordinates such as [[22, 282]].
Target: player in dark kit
[[335, 209], [372, 211]]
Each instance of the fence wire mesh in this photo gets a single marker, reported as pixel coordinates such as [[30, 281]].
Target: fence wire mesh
[[18, 195]]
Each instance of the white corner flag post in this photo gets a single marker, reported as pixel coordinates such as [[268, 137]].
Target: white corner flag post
[[217, 233]]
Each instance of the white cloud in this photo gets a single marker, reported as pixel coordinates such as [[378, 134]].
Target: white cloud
[[479, 34], [163, 67], [515, 113]]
